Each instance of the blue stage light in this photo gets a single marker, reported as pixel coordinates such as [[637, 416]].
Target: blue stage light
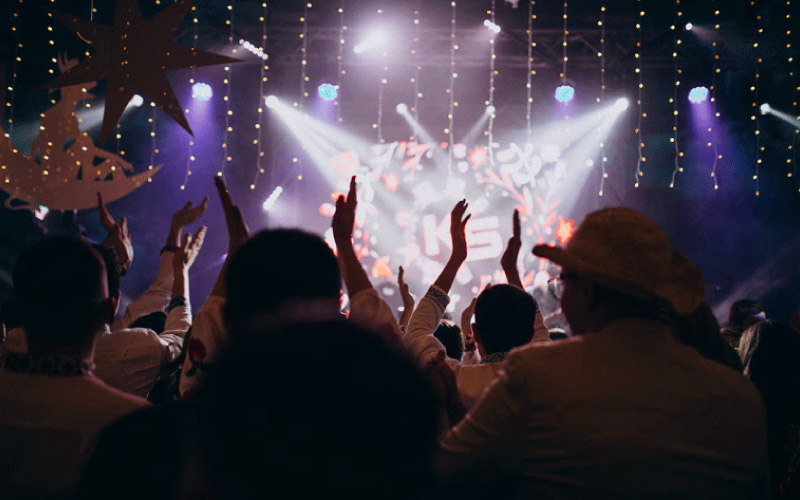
[[202, 91], [565, 93], [327, 91], [698, 95]]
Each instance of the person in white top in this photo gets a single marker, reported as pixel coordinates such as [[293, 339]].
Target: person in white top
[[506, 317], [128, 358], [53, 404], [621, 410]]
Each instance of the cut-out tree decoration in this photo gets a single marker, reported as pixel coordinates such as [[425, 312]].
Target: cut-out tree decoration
[[134, 55], [65, 169]]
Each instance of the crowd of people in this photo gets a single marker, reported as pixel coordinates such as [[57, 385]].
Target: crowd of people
[[630, 389]]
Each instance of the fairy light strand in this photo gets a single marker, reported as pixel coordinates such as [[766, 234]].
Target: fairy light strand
[[417, 68], [226, 157], [563, 74], [337, 103], [530, 72], [714, 71], [792, 147], [492, 74], [384, 76], [17, 59], [262, 79], [640, 159], [189, 154], [602, 56], [451, 88], [304, 55], [676, 73], [754, 91]]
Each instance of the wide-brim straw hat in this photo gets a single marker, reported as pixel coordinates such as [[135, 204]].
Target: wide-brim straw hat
[[624, 250]]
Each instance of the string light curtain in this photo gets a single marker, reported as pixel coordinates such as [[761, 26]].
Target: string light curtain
[[530, 72], [189, 155], [602, 55], [262, 79], [417, 67], [640, 159], [676, 74], [303, 56], [17, 59], [565, 33], [382, 88], [714, 72], [226, 156], [792, 147], [340, 63], [451, 88], [492, 73], [754, 92]]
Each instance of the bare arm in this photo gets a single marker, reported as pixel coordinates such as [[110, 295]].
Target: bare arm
[[238, 233], [408, 299], [355, 278], [510, 256], [459, 252]]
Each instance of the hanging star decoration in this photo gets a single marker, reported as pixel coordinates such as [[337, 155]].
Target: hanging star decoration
[[134, 55]]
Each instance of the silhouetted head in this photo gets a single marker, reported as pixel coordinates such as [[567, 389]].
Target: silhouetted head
[[315, 410], [62, 296], [278, 270], [745, 313], [504, 317]]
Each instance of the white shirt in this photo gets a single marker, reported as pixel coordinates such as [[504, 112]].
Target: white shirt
[[155, 298], [471, 379]]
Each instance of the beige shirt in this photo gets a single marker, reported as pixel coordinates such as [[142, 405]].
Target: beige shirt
[[627, 412], [47, 426]]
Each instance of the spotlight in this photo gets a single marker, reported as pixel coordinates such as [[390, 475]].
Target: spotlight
[[565, 93], [490, 110], [202, 91], [327, 91], [494, 28], [270, 201], [401, 108], [698, 95], [136, 101], [621, 105], [688, 27], [765, 108], [253, 49], [375, 41], [271, 101]]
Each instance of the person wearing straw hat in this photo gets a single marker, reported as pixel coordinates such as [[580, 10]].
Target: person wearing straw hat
[[622, 410]]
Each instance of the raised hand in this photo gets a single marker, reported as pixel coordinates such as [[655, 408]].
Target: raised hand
[[458, 225], [117, 236], [190, 247], [345, 215], [509, 259], [238, 232], [408, 299], [188, 214]]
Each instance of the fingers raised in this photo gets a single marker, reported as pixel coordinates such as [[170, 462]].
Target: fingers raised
[[517, 230]]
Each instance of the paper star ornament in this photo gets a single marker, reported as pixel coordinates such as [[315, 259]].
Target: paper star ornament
[[134, 55]]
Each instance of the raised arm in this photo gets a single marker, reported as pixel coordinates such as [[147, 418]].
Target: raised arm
[[366, 305], [208, 334], [510, 256], [408, 299], [117, 236], [419, 339], [355, 278], [158, 294]]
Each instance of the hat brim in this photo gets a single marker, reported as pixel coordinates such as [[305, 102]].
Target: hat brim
[[684, 292]]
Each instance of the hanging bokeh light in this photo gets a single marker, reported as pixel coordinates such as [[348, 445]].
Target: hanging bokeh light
[[327, 91], [698, 95], [565, 93], [202, 91]]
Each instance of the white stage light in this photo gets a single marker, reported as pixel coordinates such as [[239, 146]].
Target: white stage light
[[765, 108], [136, 101], [621, 104], [401, 108], [688, 26], [271, 101], [490, 110], [270, 201]]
